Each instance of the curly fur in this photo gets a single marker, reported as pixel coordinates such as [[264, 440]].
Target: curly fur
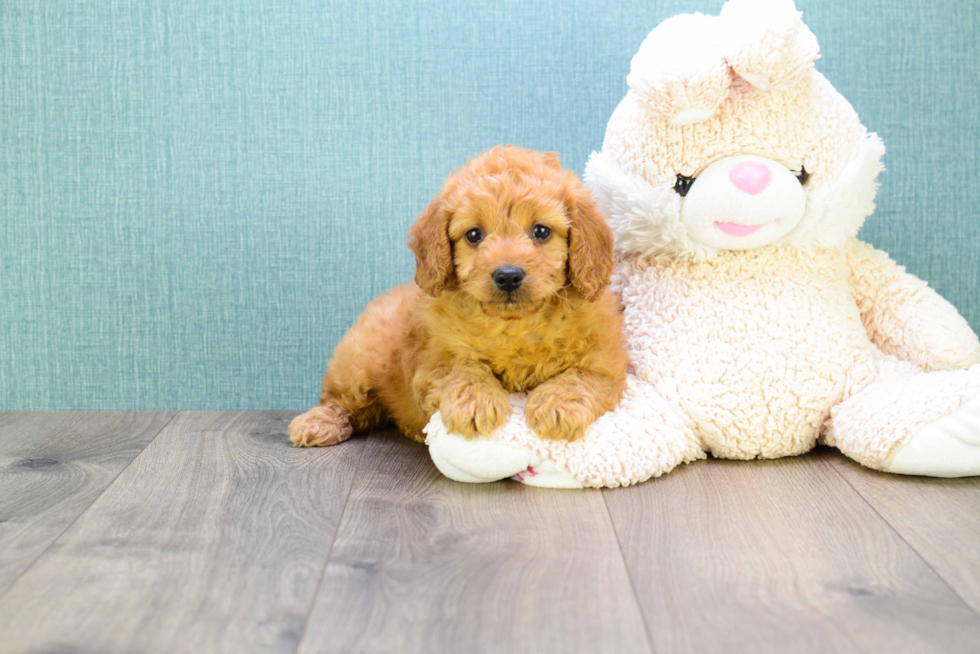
[[454, 342]]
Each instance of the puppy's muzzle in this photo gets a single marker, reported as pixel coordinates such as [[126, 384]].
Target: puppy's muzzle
[[508, 278]]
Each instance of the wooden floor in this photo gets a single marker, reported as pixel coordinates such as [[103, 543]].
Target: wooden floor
[[207, 532]]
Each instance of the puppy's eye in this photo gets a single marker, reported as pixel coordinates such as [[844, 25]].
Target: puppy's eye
[[541, 232], [474, 236], [802, 175], [683, 185]]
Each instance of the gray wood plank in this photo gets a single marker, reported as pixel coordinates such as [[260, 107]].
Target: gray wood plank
[[939, 518], [212, 540], [52, 467], [425, 564], [779, 556]]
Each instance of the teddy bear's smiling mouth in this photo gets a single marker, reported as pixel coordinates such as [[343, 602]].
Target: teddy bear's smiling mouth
[[735, 229]]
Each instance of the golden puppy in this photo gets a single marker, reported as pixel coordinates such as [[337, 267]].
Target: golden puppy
[[513, 261]]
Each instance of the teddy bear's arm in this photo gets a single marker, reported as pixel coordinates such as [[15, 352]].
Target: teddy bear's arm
[[906, 318]]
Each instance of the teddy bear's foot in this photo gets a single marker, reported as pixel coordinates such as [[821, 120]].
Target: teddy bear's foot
[[500, 455], [482, 460], [547, 474], [913, 423], [477, 460], [947, 447]]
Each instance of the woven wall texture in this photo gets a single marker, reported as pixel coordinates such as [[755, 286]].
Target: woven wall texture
[[198, 197]]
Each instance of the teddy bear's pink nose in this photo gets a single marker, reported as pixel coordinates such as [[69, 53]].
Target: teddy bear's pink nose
[[751, 177]]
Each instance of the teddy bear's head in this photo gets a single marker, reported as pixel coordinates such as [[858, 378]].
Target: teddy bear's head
[[728, 139]]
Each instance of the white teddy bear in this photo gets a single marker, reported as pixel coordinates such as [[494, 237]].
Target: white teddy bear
[[735, 179]]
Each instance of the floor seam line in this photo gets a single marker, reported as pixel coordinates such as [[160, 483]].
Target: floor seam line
[[333, 541], [629, 575], [902, 538], [87, 508]]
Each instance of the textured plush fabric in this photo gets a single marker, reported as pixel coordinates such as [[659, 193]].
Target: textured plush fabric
[[755, 354], [770, 339], [198, 198]]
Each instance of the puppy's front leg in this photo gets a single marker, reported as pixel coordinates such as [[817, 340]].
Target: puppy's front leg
[[564, 406], [470, 399]]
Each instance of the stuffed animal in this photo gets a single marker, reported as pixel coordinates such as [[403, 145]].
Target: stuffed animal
[[735, 179]]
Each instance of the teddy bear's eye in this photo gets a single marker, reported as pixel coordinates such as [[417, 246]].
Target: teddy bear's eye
[[683, 185], [474, 236], [802, 175]]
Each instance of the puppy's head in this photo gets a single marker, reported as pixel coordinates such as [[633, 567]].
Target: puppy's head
[[511, 229]]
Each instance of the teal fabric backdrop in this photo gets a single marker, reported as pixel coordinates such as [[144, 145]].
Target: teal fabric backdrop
[[198, 197]]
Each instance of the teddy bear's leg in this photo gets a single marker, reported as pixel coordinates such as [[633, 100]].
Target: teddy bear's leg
[[913, 423], [644, 437]]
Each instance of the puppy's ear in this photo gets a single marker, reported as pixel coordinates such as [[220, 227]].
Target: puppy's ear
[[429, 240], [590, 244]]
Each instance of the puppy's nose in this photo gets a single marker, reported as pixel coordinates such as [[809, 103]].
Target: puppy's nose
[[508, 278]]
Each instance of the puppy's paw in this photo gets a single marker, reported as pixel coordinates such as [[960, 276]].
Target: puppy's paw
[[558, 414], [328, 424], [470, 410]]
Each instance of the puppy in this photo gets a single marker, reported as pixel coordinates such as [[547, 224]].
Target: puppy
[[513, 262]]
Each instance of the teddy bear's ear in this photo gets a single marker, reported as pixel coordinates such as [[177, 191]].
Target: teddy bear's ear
[[680, 72], [768, 44]]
